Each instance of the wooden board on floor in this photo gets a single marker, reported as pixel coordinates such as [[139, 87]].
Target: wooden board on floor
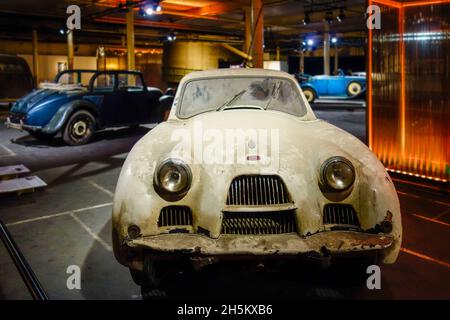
[[21, 185], [15, 171]]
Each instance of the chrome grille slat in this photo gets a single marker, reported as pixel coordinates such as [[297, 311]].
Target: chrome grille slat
[[340, 214], [257, 190], [175, 216], [258, 223]]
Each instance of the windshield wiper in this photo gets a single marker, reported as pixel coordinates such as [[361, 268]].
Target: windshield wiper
[[275, 92], [229, 101]]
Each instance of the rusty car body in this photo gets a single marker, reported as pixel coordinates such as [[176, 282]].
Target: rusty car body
[[318, 192]]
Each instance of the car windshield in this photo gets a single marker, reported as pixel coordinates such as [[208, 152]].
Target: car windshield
[[216, 94]]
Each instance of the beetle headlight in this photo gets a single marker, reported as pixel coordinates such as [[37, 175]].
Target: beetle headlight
[[173, 177], [337, 173]]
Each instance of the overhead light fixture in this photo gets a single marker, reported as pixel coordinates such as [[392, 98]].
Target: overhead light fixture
[[61, 31], [171, 36], [310, 42], [341, 15], [306, 19], [157, 7], [149, 11], [329, 17], [333, 40]]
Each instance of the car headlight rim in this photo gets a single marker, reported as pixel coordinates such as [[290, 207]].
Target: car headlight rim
[[168, 172], [346, 164]]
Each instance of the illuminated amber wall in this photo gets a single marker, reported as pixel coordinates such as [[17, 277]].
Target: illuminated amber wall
[[410, 108]]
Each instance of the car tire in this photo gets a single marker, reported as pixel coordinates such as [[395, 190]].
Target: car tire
[[354, 88], [310, 95], [41, 136], [79, 128]]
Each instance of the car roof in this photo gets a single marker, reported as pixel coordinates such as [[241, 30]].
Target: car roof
[[236, 72]]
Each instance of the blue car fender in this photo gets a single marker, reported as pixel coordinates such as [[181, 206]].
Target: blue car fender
[[64, 112]]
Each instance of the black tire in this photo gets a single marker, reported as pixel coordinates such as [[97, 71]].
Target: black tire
[[79, 128], [310, 95], [153, 274], [354, 88], [41, 136]]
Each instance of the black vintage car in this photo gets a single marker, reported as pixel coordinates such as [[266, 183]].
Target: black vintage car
[[15, 78], [80, 102]]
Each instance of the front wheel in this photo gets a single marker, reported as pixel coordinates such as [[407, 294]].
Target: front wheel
[[309, 95], [79, 128], [354, 88]]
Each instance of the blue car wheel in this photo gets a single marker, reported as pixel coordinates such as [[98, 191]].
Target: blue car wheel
[[79, 128]]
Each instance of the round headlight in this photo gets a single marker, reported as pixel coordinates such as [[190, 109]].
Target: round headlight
[[338, 173], [173, 177]]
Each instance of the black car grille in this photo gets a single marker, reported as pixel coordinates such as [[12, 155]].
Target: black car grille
[[16, 117], [257, 223], [340, 214], [175, 216], [257, 190]]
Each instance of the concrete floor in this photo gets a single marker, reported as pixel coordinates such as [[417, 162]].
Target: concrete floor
[[68, 223]]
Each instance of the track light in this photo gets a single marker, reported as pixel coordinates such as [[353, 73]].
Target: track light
[[333, 40], [329, 17], [341, 15]]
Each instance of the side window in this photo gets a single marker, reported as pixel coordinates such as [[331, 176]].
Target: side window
[[130, 82], [104, 83]]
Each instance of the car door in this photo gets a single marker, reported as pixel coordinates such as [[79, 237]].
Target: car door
[[336, 85], [134, 98], [103, 88]]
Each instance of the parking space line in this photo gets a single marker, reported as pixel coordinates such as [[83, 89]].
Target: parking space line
[[418, 197], [91, 232], [432, 220], [8, 150], [425, 257], [59, 214], [99, 187]]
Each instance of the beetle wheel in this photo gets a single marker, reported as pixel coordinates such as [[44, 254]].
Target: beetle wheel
[[80, 128]]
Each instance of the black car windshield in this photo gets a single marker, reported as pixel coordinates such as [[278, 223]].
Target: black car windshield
[[216, 94]]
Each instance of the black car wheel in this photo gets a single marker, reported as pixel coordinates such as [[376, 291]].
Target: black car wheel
[[41, 136], [309, 95], [354, 88], [79, 128]]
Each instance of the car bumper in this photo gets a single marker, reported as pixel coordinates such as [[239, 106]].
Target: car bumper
[[21, 125], [285, 244]]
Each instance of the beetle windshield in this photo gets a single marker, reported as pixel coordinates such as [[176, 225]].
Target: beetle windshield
[[216, 94]]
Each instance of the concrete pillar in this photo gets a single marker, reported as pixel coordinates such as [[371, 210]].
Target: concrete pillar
[[35, 58], [70, 53], [130, 39], [336, 58], [326, 50], [258, 34]]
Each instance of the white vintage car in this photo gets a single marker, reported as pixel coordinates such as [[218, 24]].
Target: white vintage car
[[243, 169]]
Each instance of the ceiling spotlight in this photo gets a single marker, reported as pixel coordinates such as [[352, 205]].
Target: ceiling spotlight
[[149, 11], [333, 40], [61, 31], [329, 17], [157, 8], [310, 42], [341, 15], [306, 19], [171, 36]]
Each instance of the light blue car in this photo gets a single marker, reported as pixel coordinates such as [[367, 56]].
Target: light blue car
[[339, 86]]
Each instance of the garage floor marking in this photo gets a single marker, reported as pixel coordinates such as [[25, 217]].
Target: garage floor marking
[[99, 187], [9, 151], [91, 232], [418, 197], [59, 214], [432, 220], [424, 257]]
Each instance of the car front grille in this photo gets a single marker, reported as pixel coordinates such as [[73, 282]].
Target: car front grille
[[340, 214], [258, 223], [257, 190], [175, 216]]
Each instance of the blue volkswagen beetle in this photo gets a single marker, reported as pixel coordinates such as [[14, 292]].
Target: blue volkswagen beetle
[[80, 102], [339, 86]]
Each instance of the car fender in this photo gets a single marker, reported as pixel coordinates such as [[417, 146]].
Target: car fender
[[64, 112]]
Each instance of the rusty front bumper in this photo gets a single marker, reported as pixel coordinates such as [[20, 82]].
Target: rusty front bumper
[[284, 244]]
